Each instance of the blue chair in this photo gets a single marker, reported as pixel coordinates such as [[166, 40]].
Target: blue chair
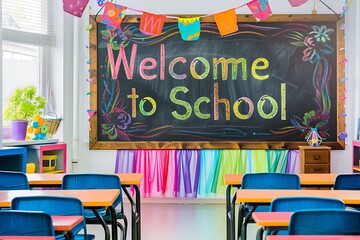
[[292, 204], [55, 206], [325, 222], [347, 182], [24, 223], [99, 181], [13, 181], [262, 181]]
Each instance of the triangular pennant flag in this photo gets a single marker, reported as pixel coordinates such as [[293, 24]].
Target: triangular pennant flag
[[260, 9], [75, 7], [152, 24], [189, 28], [296, 3], [113, 14], [226, 22]]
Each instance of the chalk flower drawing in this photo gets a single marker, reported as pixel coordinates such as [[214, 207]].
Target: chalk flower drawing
[[316, 49]]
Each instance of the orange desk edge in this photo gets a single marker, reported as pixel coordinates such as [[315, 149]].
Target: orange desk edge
[[305, 179], [65, 223], [272, 219], [56, 179], [89, 197]]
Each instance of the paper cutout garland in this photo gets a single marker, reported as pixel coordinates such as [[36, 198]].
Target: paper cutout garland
[[189, 28], [75, 7], [297, 3], [152, 24], [226, 22], [113, 14], [260, 9]]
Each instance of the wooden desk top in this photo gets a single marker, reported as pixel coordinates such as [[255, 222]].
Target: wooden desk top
[[349, 197], [308, 237], [65, 223], [40, 179], [26, 238], [89, 198], [267, 195], [305, 179], [272, 219]]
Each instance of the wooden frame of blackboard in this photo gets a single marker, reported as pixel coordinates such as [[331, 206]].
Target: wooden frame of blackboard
[[95, 144]]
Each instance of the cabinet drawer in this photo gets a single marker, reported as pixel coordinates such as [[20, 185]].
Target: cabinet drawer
[[317, 168], [316, 156]]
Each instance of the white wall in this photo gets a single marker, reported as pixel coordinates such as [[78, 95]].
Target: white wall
[[104, 161]]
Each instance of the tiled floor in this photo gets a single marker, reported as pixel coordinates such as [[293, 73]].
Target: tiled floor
[[173, 221]]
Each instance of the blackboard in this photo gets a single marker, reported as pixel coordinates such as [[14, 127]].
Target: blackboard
[[264, 86]]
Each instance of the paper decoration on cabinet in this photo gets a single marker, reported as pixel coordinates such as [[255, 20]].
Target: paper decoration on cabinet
[[152, 24], [75, 7], [297, 3], [189, 28], [226, 22], [260, 9], [113, 14], [91, 112]]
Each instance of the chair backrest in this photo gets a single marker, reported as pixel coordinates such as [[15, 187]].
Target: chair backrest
[[24, 223], [347, 182], [292, 204], [52, 205], [13, 181], [325, 222], [270, 181], [93, 181]]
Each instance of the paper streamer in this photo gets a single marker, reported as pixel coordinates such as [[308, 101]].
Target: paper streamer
[[189, 28], [226, 22], [342, 135], [91, 112]]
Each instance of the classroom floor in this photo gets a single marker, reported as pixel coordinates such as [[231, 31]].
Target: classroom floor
[[174, 221]]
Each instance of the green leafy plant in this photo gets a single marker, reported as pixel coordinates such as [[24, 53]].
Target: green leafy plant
[[24, 104]]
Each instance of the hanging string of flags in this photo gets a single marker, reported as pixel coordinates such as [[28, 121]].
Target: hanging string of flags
[[152, 24]]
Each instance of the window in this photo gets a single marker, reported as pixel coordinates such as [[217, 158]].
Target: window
[[28, 28]]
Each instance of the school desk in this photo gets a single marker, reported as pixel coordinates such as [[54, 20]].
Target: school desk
[[235, 180], [90, 198], [265, 196], [311, 237], [127, 180]]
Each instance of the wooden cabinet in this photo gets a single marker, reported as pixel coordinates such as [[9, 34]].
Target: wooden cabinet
[[356, 156], [314, 159], [36, 154]]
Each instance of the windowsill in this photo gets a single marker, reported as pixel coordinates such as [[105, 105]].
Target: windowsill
[[15, 143]]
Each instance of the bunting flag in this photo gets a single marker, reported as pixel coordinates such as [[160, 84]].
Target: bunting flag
[[296, 3], [260, 9], [75, 7], [152, 24], [113, 14], [226, 22], [189, 28]]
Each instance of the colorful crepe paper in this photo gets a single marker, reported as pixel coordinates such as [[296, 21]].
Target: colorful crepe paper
[[75, 7], [152, 24], [260, 9], [226, 22], [189, 28], [113, 14]]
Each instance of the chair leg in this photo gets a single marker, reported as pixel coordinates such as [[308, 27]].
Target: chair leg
[[245, 222], [123, 228], [260, 233]]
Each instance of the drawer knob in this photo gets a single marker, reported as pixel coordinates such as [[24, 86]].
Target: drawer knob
[[317, 157]]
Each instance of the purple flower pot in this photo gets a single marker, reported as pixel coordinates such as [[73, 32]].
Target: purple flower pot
[[18, 130]]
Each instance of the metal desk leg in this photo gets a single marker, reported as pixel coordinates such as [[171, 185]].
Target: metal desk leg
[[113, 223], [103, 224], [134, 213], [138, 215]]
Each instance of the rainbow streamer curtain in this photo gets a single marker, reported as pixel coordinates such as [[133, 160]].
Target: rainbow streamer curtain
[[199, 173]]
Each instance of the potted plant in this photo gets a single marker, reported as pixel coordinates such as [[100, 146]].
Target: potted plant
[[22, 106]]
